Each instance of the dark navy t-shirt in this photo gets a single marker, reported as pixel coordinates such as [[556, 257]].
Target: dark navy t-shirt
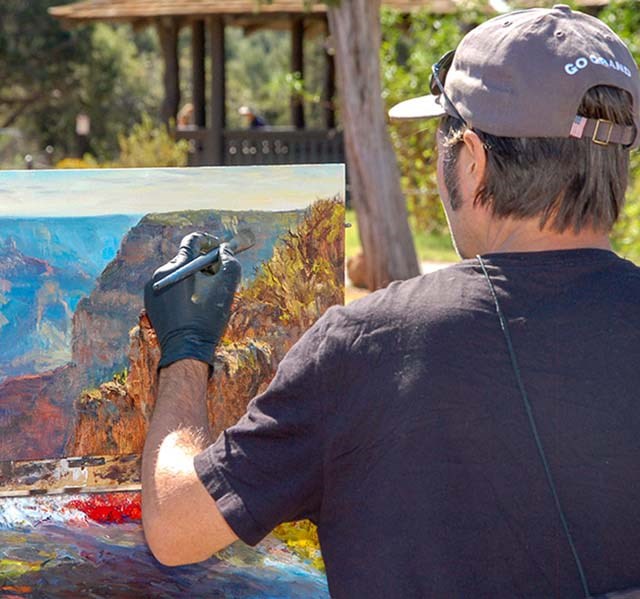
[[397, 426]]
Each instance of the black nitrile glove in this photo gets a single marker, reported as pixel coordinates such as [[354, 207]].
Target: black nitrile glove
[[190, 316]]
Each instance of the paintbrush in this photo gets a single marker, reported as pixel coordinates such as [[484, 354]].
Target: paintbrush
[[241, 241]]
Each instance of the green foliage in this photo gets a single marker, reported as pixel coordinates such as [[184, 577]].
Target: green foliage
[[37, 69], [624, 18], [48, 75], [37, 56], [408, 50], [120, 86], [256, 67], [626, 237], [150, 145], [146, 145]]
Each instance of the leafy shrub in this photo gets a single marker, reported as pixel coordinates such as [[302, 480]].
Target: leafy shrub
[[146, 145], [303, 278], [150, 145]]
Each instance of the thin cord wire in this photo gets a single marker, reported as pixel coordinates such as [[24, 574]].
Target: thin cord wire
[[525, 398]]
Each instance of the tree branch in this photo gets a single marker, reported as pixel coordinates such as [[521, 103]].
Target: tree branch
[[15, 115], [19, 100]]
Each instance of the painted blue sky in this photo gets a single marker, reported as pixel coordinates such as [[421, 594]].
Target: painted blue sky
[[140, 191]]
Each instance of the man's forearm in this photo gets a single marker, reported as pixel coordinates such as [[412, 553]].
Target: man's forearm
[[179, 428], [181, 404], [178, 431]]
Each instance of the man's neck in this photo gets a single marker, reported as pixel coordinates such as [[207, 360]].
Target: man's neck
[[526, 236]]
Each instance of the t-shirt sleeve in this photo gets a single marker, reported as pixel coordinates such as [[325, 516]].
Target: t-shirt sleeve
[[268, 468]]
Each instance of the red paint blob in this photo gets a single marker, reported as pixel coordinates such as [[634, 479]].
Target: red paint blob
[[109, 508]]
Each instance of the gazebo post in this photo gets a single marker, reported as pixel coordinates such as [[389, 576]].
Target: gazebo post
[[218, 90], [168, 34], [297, 66], [329, 90], [198, 74]]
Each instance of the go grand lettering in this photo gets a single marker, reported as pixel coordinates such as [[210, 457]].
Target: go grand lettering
[[571, 68]]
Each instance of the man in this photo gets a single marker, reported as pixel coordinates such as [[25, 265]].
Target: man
[[472, 432], [253, 120]]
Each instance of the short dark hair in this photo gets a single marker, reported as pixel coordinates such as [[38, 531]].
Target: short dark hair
[[568, 183]]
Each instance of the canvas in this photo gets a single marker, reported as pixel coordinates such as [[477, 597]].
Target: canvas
[[78, 359]]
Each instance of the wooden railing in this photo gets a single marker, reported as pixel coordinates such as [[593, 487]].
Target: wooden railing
[[283, 147], [267, 146]]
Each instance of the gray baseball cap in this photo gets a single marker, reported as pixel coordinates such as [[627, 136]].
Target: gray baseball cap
[[524, 74]]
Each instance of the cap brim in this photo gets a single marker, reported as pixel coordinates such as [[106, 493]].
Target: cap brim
[[424, 107]]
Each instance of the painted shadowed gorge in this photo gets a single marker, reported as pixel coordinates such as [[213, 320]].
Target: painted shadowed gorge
[[46, 266]]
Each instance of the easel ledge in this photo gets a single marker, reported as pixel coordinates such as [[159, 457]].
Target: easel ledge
[[73, 475]]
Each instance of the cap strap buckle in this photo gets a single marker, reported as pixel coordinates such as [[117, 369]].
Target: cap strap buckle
[[595, 139]]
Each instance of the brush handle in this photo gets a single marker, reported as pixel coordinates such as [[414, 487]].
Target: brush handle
[[241, 241]]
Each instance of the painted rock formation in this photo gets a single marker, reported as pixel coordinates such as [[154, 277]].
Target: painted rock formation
[[34, 413], [113, 418]]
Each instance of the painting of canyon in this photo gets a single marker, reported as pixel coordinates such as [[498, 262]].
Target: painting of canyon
[[78, 361]]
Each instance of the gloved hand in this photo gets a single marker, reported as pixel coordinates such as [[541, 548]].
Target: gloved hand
[[190, 316]]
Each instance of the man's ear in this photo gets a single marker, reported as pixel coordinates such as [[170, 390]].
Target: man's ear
[[475, 162]]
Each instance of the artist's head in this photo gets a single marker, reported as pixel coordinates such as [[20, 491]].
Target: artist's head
[[539, 109]]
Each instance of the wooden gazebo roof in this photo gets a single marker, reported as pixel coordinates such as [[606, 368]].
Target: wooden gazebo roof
[[146, 10], [142, 10], [89, 10]]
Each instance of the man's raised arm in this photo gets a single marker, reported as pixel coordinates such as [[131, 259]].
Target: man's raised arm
[[181, 521]]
